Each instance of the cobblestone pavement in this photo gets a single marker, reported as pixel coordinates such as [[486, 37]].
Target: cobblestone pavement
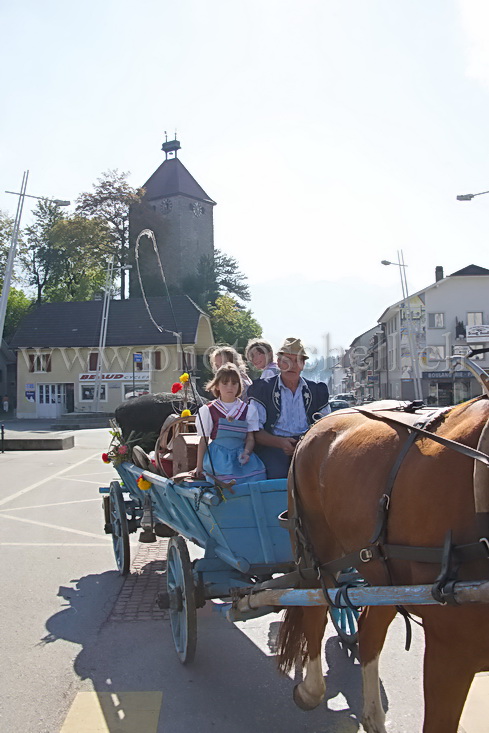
[[147, 577]]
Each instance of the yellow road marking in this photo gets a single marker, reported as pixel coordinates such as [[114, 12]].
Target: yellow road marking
[[114, 712], [474, 716]]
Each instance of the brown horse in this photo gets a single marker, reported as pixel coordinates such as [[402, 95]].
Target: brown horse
[[340, 473]]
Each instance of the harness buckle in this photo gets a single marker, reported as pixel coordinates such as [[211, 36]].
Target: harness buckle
[[366, 554], [485, 541], [386, 501]]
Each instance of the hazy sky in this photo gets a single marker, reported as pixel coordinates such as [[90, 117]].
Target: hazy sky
[[331, 133]]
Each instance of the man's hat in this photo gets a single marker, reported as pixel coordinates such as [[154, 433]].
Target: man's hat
[[293, 346]]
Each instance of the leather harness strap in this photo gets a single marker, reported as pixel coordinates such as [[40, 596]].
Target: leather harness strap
[[378, 549]]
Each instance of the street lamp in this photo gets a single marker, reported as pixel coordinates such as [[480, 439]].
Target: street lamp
[[469, 196], [13, 244], [103, 330], [418, 391]]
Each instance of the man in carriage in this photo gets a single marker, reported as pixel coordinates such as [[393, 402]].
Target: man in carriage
[[287, 405]]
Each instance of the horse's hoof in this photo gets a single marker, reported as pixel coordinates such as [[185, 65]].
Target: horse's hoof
[[303, 700]]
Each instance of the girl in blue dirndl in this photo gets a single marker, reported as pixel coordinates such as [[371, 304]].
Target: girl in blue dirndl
[[229, 423]]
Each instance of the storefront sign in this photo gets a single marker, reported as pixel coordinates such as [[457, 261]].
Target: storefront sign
[[116, 377], [477, 333], [446, 375]]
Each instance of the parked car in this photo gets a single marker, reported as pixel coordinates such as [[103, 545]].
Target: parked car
[[347, 396], [338, 404]]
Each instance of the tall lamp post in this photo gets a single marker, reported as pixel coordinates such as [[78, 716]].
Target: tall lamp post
[[13, 244], [418, 391], [103, 331]]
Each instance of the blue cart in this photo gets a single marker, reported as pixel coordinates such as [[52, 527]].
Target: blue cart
[[244, 545]]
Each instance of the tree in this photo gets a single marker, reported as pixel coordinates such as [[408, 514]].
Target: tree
[[232, 324], [37, 254], [6, 226], [109, 202], [18, 305], [216, 276], [79, 268]]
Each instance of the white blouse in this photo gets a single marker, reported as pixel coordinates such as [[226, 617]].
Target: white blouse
[[204, 422]]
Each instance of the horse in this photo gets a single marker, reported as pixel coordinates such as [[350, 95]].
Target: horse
[[337, 478]]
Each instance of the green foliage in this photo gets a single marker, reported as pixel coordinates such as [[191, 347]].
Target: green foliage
[[215, 277], [18, 305], [6, 226], [79, 269], [37, 254], [232, 324], [109, 203]]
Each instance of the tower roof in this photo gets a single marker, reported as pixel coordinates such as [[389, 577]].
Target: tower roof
[[171, 179]]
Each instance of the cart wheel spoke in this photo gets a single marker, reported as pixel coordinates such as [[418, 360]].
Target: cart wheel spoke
[[183, 613], [120, 531]]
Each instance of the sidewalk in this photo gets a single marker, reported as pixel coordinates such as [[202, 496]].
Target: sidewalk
[[34, 435]]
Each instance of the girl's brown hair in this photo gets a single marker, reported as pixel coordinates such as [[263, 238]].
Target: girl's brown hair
[[260, 345], [226, 373]]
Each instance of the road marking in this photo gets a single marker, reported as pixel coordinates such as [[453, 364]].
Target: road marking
[[82, 480], [474, 716], [124, 712], [45, 480], [53, 544], [53, 526], [41, 506]]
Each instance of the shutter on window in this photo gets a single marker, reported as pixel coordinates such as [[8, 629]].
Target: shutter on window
[[157, 359], [48, 362], [31, 362], [92, 361]]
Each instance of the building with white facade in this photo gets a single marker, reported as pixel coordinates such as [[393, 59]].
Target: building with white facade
[[416, 340]]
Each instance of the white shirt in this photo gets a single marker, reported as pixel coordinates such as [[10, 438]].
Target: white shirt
[[204, 422], [292, 419]]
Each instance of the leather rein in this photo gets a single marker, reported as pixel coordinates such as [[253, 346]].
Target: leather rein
[[449, 556]]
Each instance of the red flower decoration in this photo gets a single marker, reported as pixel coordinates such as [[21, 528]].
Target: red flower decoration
[[176, 387], [105, 458]]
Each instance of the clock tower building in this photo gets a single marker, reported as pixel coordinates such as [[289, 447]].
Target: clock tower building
[[180, 214]]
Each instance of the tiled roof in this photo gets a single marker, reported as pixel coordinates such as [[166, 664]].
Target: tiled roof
[[172, 178], [78, 323]]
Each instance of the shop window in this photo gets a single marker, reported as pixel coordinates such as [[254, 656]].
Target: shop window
[[435, 354], [436, 320], [478, 357], [87, 393]]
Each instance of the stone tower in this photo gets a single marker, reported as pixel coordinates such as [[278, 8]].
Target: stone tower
[[180, 213]]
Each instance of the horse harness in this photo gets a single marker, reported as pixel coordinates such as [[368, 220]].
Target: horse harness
[[417, 420]]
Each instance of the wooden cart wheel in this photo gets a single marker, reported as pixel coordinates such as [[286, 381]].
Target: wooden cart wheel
[[181, 590], [119, 528], [345, 623]]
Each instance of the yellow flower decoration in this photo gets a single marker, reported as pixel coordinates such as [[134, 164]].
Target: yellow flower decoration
[[143, 484], [185, 413], [184, 378]]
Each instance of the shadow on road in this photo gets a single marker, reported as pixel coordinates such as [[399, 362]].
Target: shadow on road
[[231, 685]]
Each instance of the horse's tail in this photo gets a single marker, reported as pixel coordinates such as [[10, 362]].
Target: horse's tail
[[292, 646]]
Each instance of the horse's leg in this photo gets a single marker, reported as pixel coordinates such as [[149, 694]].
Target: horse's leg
[[448, 674], [310, 692], [372, 629]]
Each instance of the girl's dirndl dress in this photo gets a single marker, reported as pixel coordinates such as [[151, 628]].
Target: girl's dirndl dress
[[228, 436]]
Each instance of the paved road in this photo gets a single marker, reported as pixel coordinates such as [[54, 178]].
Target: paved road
[[85, 651]]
